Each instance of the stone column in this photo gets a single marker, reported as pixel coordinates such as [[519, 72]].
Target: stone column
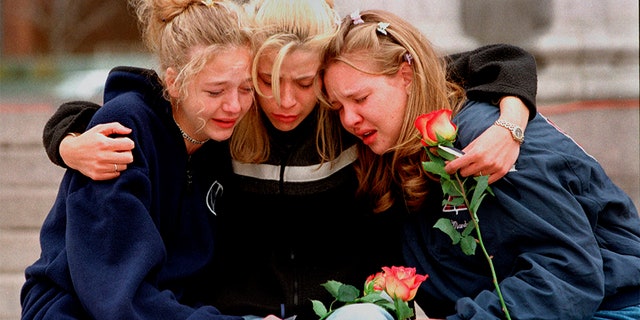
[[590, 51]]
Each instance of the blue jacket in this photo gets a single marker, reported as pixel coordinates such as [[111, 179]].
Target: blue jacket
[[136, 247], [565, 239]]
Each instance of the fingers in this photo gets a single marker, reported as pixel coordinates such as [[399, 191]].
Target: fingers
[[112, 128], [123, 158], [123, 146], [121, 167], [98, 155], [456, 164], [101, 174], [492, 154], [104, 170], [104, 140], [111, 151], [470, 165]]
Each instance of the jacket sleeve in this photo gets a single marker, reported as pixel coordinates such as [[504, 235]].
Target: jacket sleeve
[[70, 117], [494, 71]]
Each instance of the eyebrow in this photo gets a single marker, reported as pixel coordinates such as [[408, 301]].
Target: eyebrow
[[351, 94], [303, 77], [223, 82], [335, 99]]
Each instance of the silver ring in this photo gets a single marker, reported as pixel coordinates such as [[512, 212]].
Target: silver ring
[[116, 165]]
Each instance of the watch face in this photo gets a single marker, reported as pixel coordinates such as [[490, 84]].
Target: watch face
[[518, 133]]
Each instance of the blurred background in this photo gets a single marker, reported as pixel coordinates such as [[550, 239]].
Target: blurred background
[[53, 51]]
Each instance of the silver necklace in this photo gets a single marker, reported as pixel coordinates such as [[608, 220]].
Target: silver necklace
[[188, 137]]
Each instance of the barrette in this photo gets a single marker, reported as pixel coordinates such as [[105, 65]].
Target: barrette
[[356, 18], [408, 58], [382, 27], [208, 3], [336, 20]]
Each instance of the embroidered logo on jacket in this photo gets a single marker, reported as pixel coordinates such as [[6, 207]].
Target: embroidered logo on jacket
[[459, 215], [215, 191]]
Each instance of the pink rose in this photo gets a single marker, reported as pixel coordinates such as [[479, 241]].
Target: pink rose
[[435, 127], [399, 282], [378, 281], [402, 282]]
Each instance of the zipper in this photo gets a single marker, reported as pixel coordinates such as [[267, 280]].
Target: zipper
[[189, 174]]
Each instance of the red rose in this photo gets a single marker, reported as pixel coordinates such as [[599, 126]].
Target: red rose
[[377, 281], [399, 282], [402, 282], [435, 127]]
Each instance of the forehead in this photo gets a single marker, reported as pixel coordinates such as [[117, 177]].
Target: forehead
[[227, 64], [341, 80], [296, 61]]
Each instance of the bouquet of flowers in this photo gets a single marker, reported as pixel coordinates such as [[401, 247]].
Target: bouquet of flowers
[[391, 289], [438, 134]]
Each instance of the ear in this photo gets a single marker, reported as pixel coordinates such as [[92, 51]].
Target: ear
[[170, 76], [407, 75]]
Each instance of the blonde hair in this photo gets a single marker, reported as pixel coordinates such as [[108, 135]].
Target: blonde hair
[[186, 34], [384, 54], [281, 27]]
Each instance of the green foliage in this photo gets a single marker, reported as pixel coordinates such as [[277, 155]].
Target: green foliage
[[345, 294], [445, 226], [403, 311], [434, 168], [467, 242], [342, 292], [320, 309], [458, 191]]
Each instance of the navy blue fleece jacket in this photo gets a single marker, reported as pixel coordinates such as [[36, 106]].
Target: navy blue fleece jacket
[[565, 239], [136, 247]]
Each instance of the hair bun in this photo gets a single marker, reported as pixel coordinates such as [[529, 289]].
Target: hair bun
[[167, 10]]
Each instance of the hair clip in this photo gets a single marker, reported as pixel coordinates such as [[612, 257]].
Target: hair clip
[[208, 3], [408, 58], [356, 18], [382, 27], [336, 20]]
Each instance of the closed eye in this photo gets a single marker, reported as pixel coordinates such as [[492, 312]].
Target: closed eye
[[336, 106], [247, 89], [265, 80], [306, 84], [361, 100]]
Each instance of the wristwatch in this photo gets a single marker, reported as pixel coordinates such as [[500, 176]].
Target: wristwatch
[[516, 131]]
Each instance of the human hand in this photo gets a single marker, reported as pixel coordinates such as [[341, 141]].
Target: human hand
[[272, 317], [493, 153], [95, 154]]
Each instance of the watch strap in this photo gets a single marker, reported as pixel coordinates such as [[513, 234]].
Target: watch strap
[[516, 132]]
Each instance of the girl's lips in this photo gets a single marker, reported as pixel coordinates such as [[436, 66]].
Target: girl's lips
[[368, 137], [225, 123], [285, 118]]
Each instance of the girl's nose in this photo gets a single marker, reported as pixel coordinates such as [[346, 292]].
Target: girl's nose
[[349, 117], [287, 96], [233, 103]]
